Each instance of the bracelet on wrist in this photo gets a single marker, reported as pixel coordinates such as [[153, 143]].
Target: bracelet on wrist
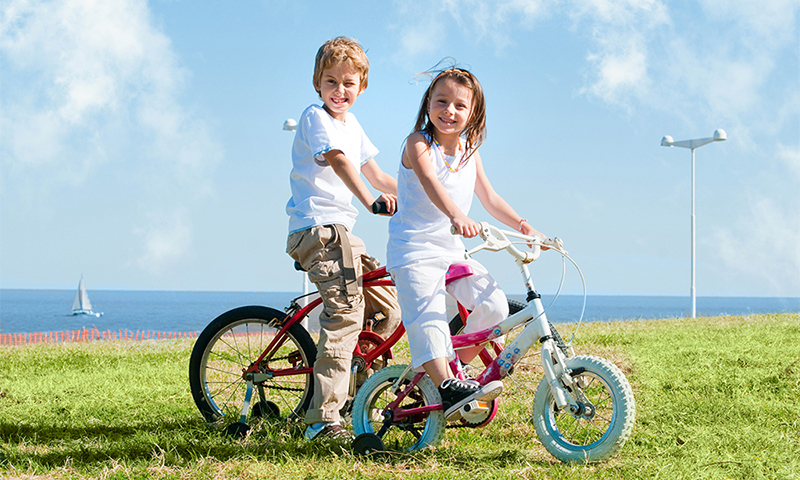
[[520, 224]]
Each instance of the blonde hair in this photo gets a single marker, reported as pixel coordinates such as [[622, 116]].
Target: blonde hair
[[340, 50], [474, 132]]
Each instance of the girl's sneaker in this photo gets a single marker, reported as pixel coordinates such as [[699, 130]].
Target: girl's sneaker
[[457, 393]]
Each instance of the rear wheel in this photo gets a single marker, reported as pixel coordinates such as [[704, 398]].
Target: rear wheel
[[230, 344], [411, 433]]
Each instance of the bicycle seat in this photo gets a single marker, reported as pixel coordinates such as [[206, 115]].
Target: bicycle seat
[[457, 271], [298, 267]]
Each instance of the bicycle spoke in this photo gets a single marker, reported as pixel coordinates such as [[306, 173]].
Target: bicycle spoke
[[228, 372]]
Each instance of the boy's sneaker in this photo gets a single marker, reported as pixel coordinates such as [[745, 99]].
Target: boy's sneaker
[[457, 393], [328, 431]]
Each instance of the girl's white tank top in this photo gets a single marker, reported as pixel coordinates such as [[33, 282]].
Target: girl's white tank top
[[419, 230]]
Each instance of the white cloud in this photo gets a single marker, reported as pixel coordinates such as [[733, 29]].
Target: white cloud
[[770, 21], [620, 69], [764, 244], [81, 66], [477, 21], [89, 82], [166, 241], [790, 157], [621, 32]]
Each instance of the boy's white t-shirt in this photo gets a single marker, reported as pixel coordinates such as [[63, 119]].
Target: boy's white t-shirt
[[319, 196], [419, 230]]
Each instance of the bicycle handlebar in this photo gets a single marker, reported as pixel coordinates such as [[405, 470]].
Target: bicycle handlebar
[[495, 239], [380, 208]]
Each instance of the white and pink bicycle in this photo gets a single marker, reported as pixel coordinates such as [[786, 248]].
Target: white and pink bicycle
[[583, 408]]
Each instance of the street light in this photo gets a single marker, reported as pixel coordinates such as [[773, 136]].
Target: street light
[[290, 125], [667, 141]]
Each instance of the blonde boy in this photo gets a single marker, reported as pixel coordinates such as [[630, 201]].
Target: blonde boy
[[330, 149]]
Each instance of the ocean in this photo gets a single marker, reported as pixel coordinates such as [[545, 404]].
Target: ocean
[[24, 311]]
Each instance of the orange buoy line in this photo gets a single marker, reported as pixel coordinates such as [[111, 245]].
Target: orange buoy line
[[89, 334]]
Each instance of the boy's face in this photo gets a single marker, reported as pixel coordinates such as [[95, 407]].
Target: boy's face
[[339, 87]]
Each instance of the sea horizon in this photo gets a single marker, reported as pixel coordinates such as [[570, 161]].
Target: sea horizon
[[43, 310]]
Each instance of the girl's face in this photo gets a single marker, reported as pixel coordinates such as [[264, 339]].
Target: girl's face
[[450, 106], [339, 87]]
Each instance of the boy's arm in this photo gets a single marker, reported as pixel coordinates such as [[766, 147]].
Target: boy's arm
[[379, 179], [495, 204], [345, 170]]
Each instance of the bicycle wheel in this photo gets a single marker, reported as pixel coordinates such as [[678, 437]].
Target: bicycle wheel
[[605, 423], [413, 432], [230, 344]]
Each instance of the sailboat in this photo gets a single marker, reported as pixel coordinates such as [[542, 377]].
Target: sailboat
[[81, 305]]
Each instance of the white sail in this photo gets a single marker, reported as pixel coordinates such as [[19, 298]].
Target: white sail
[[81, 303]]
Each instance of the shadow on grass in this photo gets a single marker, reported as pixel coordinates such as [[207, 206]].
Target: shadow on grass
[[184, 441]]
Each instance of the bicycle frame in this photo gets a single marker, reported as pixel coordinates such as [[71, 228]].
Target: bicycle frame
[[375, 278]]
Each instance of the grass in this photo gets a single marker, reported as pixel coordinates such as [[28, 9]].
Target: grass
[[716, 398]]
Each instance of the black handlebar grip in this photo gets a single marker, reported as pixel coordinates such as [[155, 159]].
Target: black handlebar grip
[[380, 207]]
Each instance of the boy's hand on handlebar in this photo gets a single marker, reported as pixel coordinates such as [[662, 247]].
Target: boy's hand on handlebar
[[385, 205]]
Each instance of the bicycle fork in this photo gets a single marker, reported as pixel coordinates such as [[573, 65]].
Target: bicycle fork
[[561, 382]]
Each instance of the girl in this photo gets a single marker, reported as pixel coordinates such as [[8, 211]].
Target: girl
[[440, 170]]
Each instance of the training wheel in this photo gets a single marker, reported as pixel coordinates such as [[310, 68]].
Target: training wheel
[[237, 430], [368, 444], [266, 409]]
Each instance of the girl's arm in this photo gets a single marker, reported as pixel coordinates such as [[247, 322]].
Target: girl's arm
[[417, 157], [494, 203]]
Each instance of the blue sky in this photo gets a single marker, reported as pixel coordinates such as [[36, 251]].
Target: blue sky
[[141, 142]]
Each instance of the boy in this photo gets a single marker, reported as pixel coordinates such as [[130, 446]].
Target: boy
[[329, 149]]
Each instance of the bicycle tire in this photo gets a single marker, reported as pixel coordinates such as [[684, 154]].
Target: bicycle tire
[[594, 437], [230, 344], [412, 433]]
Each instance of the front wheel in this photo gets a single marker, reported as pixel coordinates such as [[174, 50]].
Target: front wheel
[[411, 433], [605, 422]]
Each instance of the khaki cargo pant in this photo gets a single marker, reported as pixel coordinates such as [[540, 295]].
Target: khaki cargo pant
[[322, 251]]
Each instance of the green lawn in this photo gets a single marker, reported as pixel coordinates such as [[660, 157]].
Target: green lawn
[[716, 398]]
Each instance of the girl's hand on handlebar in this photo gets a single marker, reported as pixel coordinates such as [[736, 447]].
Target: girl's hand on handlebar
[[465, 226], [526, 229]]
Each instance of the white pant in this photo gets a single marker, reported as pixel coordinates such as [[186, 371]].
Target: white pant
[[421, 292]]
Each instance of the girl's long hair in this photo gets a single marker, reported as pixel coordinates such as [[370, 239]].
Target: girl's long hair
[[475, 131]]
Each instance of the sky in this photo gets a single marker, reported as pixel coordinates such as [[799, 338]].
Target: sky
[[141, 142]]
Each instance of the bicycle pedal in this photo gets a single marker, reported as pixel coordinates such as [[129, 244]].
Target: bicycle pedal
[[475, 406], [474, 411]]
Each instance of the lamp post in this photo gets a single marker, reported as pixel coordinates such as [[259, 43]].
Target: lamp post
[[667, 141], [290, 125]]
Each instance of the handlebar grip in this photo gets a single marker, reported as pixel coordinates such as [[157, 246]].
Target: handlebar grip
[[379, 208]]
